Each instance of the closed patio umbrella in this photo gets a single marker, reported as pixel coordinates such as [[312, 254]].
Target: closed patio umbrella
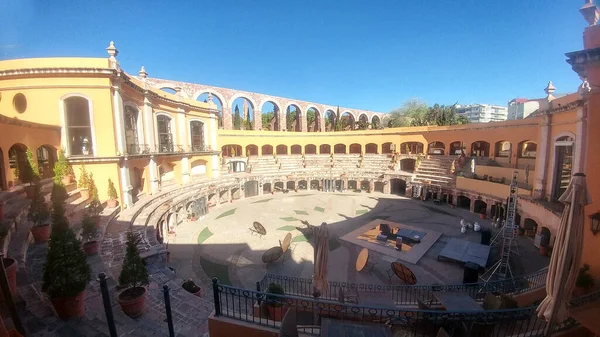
[[321, 257], [566, 254]]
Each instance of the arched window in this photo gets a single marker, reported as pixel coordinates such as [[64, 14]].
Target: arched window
[[131, 130], [165, 138], [197, 134], [78, 126]]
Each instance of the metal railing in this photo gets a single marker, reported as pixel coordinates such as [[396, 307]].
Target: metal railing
[[409, 294], [268, 310], [135, 149]]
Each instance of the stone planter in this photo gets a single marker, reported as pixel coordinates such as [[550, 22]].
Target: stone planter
[[29, 191], [276, 313], [69, 307], [133, 301], [85, 193], [91, 247], [112, 203], [41, 234], [66, 180]]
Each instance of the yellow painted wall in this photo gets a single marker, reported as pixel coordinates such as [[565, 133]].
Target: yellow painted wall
[[486, 188], [101, 174], [506, 172]]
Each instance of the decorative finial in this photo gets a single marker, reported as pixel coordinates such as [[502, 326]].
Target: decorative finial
[[142, 72], [550, 89], [584, 88], [590, 12], [112, 50], [210, 97]]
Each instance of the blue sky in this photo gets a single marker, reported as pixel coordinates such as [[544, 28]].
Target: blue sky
[[368, 55]]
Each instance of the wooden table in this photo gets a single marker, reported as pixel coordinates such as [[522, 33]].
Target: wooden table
[[361, 260], [587, 315], [272, 255], [336, 328], [458, 301]]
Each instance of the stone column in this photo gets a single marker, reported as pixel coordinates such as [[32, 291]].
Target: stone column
[[212, 142], [117, 101], [149, 124], [227, 118], [257, 119], [542, 158], [242, 191], [488, 208], [126, 187], [580, 136], [303, 121], [472, 205], [154, 188], [386, 187], [282, 121], [185, 170]]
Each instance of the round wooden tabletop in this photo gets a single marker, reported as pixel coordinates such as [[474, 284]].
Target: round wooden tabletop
[[285, 245], [404, 273], [272, 255], [259, 228], [361, 260]]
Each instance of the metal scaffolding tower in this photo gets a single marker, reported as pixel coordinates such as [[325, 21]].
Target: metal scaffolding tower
[[502, 269]]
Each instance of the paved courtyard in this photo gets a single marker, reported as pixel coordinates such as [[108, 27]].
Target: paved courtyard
[[222, 245]]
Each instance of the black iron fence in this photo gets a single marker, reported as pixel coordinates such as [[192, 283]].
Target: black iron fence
[[133, 149], [408, 294], [268, 310]]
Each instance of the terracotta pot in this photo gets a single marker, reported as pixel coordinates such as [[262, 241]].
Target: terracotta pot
[[41, 234], [85, 193], [11, 276], [29, 191], [91, 247], [97, 219], [132, 301], [69, 307], [482, 216], [451, 205], [277, 313], [543, 250], [112, 203], [66, 180]]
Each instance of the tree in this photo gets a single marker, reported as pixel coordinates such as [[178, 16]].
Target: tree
[[416, 113], [134, 273], [266, 120], [310, 118], [338, 120], [237, 121], [290, 117]]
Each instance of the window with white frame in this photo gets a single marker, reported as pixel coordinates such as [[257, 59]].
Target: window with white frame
[[78, 126], [197, 135]]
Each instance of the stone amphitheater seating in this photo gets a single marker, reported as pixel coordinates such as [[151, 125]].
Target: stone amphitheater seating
[[435, 171]]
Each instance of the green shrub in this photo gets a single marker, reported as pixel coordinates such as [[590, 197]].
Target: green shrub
[[134, 273], [95, 206], [38, 209], [58, 197], [88, 227], [29, 172], [62, 168], [66, 272], [84, 178], [276, 289]]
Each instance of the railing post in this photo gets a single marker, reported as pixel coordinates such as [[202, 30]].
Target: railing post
[[217, 301], [258, 291], [168, 309], [107, 307]]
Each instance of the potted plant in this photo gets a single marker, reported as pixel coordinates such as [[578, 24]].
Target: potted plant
[[192, 287], [62, 170], [39, 215], [482, 214], [112, 195], [66, 272], [584, 282], [10, 265], [30, 174], [134, 277], [83, 183], [95, 206], [88, 234], [275, 303], [543, 250]]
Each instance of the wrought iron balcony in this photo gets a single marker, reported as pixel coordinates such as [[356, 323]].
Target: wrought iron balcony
[[137, 149]]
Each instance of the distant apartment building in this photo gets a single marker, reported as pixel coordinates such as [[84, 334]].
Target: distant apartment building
[[482, 113], [520, 108]]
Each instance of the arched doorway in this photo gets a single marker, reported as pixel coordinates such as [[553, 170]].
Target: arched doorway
[[355, 148], [480, 149], [456, 148], [371, 148], [479, 207], [266, 150], [463, 202], [267, 188], [531, 226], [46, 158], [279, 186], [436, 148], [387, 148], [398, 186], [290, 185], [296, 149], [325, 149], [563, 161], [411, 148], [17, 160], [314, 184], [251, 188], [281, 150], [302, 185], [407, 165], [339, 149], [378, 186], [310, 149], [231, 150], [545, 237], [251, 150]]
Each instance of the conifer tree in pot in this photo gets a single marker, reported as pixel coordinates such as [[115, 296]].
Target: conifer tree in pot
[[39, 215], [29, 173], [83, 183], [88, 234], [112, 195], [63, 172], [134, 277], [66, 272], [95, 206]]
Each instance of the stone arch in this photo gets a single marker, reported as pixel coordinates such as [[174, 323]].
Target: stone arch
[[214, 93], [273, 123], [347, 120], [503, 148], [266, 187], [231, 150], [266, 150], [398, 186], [527, 149], [17, 160], [73, 102], [46, 158], [310, 149], [293, 120], [168, 89], [313, 125], [411, 148], [436, 148], [363, 122], [376, 122], [243, 124], [214, 97], [480, 206], [296, 149], [463, 201], [198, 167], [339, 148], [378, 186], [282, 149], [480, 148], [290, 185], [546, 236], [325, 149], [407, 164], [355, 148], [329, 120], [251, 150], [457, 147], [371, 148], [242, 95], [302, 184]]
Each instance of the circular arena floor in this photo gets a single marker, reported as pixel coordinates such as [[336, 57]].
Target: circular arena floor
[[222, 245]]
